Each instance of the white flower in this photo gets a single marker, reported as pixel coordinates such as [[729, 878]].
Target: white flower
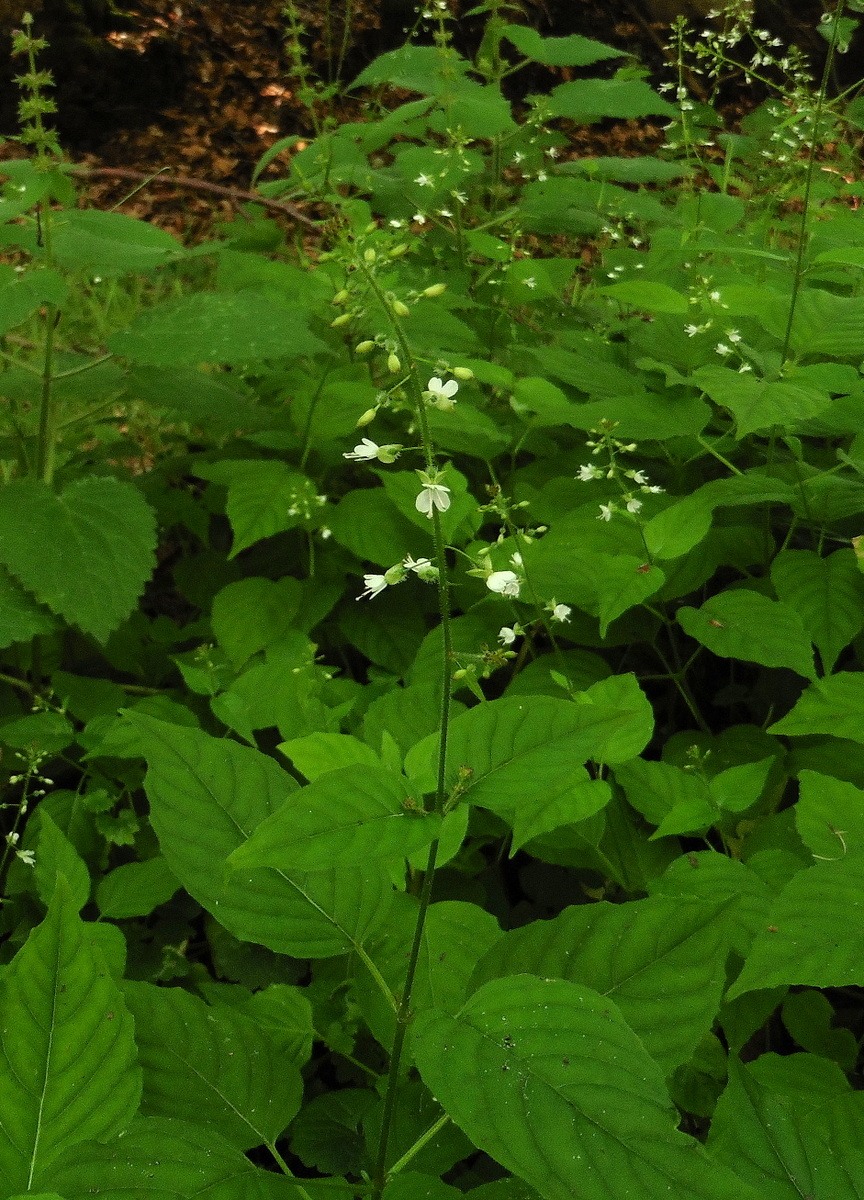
[[714, 295], [505, 583], [561, 612], [374, 585], [366, 450], [638, 476], [424, 180], [722, 348], [606, 511], [506, 635], [419, 218], [441, 394], [633, 505], [733, 335], [589, 472], [530, 282], [28, 857], [432, 495], [423, 568], [692, 330]]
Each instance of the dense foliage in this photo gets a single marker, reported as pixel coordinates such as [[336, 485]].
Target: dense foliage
[[432, 704]]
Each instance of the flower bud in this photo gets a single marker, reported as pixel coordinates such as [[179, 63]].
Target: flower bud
[[341, 296], [364, 347], [435, 290], [394, 366], [342, 319], [369, 255], [399, 250], [462, 372], [400, 309], [367, 418]]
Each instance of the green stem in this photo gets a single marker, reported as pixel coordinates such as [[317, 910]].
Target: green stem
[[418, 1145]]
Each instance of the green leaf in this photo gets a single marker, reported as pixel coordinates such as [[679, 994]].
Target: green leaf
[[213, 1061], [808, 1016], [829, 815], [573, 51], [415, 68], [262, 498], [110, 243], [646, 296], [411, 1185], [546, 1077], [215, 327], [218, 402], [638, 954], [828, 595], [345, 817], [367, 522], [86, 553], [588, 100], [135, 889], [254, 613], [68, 1067], [746, 625], [834, 706], [813, 935], [773, 1144], [714, 878], [542, 814], [161, 1159], [207, 796], [55, 857], [21, 616], [737, 788], [759, 404], [318, 753]]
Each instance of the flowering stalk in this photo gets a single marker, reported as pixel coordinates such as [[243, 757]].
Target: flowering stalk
[[431, 488]]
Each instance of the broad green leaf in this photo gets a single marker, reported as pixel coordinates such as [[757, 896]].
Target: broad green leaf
[[747, 625], [318, 753], [509, 1188], [773, 1144], [344, 817], [680, 527], [367, 522], [573, 51], [646, 296], [587, 100], [542, 814], [715, 878], [829, 815], [546, 1077], [135, 889], [110, 243], [161, 1159], [639, 954], [813, 935], [218, 402], [253, 613], [737, 788], [265, 497], [412, 1185], [834, 706], [68, 1068], [38, 732], [757, 404], [56, 856], [519, 749], [656, 789], [214, 1062], [215, 327], [21, 615], [414, 68], [207, 795], [828, 595], [86, 553]]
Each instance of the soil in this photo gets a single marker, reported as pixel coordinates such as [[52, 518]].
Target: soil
[[201, 88]]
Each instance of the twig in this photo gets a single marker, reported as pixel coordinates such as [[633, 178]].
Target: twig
[[202, 185]]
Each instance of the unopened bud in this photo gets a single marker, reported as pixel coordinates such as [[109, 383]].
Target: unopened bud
[[367, 418], [435, 290], [394, 366], [399, 250], [364, 347], [462, 372], [400, 309], [371, 227], [369, 255], [342, 319], [341, 297]]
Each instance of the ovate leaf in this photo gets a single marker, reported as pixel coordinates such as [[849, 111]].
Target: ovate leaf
[[135, 889], [815, 932], [834, 706], [21, 615], [85, 553], [586, 100], [638, 954], [207, 795], [546, 1077], [68, 1068], [747, 625], [828, 595], [212, 1061], [346, 816]]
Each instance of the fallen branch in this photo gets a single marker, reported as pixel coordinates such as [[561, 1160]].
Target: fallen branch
[[202, 185]]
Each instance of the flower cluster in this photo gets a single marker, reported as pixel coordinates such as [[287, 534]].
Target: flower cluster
[[423, 568], [624, 477]]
